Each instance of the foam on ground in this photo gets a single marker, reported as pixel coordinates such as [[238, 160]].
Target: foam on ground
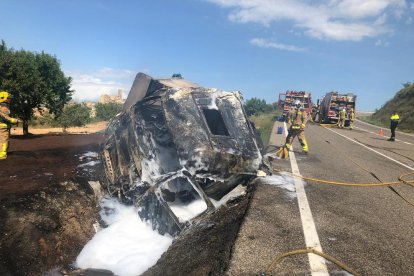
[[127, 247]]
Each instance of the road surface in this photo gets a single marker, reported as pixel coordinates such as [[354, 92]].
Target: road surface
[[371, 229]]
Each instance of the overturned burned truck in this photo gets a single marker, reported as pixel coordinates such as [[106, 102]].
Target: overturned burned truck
[[177, 144]]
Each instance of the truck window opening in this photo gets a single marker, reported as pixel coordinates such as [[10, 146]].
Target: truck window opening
[[215, 122]]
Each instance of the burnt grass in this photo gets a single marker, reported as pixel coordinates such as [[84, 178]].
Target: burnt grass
[[47, 209]]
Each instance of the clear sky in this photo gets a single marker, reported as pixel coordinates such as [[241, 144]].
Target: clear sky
[[260, 47]]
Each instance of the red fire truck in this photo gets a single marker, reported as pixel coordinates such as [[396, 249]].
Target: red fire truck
[[330, 105], [286, 100]]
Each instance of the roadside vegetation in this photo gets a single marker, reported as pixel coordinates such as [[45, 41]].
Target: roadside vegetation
[[76, 115], [403, 103], [371, 120], [264, 124], [263, 116], [105, 112], [47, 85]]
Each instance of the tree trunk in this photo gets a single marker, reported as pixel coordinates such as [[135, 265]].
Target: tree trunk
[[25, 127]]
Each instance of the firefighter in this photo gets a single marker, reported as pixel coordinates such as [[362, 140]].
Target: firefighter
[[314, 113], [351, 117], [5, 123], [394, 123], [297, 119], [341, 118]]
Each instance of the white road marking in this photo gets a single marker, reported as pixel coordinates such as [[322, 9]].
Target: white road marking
[[317, 263], [377, 152], [403, 133], [398, 140]]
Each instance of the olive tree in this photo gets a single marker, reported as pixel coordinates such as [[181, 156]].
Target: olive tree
[[255, 106], [106, 111], [35, 80], [74, 115]]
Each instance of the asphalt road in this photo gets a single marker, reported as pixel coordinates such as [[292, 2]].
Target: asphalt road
[[371, 229]]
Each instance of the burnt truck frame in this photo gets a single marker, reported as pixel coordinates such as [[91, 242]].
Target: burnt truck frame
[[175, 142]]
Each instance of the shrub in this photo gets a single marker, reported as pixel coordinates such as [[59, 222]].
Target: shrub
[[107, 111], [74, 115]]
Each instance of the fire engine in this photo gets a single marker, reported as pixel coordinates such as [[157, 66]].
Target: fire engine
[[332, 103], [286, 99]]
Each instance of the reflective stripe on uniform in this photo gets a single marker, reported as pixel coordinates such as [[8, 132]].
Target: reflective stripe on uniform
[[3, 125], [3, 151], [395, 117], [295, 127]]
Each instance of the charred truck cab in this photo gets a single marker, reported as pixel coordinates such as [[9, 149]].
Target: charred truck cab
[[176, 144]]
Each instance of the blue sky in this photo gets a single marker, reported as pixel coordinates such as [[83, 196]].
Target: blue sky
[[260, 47]]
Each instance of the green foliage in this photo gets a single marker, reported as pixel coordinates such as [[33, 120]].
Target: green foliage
[[264, 124], [74, 115], [34, 80], [403, 103], [107, 111], [275, 106], [371, 120], [255, 106], [46, 120]]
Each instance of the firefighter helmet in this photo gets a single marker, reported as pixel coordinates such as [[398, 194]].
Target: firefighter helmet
[[4, 96], [297, 103]]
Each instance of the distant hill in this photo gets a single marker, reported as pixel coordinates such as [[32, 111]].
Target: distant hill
[[403, 103]]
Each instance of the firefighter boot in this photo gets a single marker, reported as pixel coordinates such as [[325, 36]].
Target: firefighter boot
[[304, 145], [283, 152]]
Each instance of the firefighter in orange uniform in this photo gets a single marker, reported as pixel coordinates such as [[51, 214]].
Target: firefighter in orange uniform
[[351, 117], [297, 118], [5, 123], [341, 117]]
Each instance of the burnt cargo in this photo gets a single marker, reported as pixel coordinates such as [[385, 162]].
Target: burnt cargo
[[174, 144]]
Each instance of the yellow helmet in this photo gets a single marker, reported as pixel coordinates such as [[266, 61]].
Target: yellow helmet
[[4, 96]]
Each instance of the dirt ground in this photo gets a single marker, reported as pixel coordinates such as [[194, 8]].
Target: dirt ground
[[89, 128], [47, 207]]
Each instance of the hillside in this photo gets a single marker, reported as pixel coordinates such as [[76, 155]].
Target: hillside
[[403, 103]]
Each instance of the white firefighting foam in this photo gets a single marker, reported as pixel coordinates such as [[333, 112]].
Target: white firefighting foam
[[282, 180], [127, 246], [185, 212]]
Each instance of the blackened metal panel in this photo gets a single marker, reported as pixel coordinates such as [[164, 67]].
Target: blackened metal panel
[[187, 127], [138, 90], [156, 210]]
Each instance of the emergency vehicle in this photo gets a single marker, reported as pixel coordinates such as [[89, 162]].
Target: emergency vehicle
[[286, 100], [332, 102]]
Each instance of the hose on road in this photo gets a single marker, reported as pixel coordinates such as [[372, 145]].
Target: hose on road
[[329, 125], [276, 260], [330, 182], [393, 189], [401, 180]]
